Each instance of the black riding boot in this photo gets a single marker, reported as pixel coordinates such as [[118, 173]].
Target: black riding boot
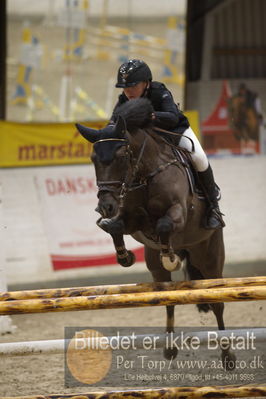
[[213, 218]]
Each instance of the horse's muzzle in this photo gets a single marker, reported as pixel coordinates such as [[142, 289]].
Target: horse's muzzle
[[107, 205], [106, 210]]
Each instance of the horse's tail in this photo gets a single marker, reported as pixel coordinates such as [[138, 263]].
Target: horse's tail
[[194, 274]]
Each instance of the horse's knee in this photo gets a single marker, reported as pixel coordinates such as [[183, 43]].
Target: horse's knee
[[177, 215], [164, 225], [112, 226]]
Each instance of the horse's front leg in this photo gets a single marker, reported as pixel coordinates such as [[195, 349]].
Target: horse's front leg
[[116, 228], [124, 257], [173, 220]]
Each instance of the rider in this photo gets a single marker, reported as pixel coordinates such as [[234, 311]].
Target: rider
[[135, 78]]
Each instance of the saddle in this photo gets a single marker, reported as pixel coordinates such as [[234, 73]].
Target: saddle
[[183, 156]]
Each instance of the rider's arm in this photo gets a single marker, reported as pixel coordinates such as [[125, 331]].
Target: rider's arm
[[169, 115]]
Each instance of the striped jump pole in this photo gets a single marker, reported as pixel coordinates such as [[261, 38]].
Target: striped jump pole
[[139, 299], [58, 346], [133, 288], [208, 392]]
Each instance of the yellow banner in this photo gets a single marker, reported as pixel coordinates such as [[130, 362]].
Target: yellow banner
[[193, 117], [37, 144]]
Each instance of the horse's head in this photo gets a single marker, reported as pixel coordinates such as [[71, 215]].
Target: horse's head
[[113, 152], [110, 157]]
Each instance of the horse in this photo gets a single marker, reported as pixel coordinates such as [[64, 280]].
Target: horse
[[243, 119], [143, 191]]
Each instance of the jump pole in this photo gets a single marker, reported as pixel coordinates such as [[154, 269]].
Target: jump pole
[[229, 391], [58, 346], [132, 288], [143, 299]]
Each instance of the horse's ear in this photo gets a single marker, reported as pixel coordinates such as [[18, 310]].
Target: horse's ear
[[89, 134], [120, 127]]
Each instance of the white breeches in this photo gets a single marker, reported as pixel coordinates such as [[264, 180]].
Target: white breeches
[[199, 157]]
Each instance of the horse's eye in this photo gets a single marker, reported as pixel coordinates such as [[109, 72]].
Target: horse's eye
[[121, 158], [121, 154]]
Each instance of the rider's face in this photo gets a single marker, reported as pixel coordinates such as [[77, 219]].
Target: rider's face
[[135, 91]]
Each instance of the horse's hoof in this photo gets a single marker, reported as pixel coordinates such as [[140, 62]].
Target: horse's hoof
[[170, 353], [229, 361], [127, 261], [171, 265]]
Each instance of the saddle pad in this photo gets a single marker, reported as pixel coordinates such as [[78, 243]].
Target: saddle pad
[[192, 175]]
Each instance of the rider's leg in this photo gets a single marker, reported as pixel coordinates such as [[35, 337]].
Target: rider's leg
[[214, 219]]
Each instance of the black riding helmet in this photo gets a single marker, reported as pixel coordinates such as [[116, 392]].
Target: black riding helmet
[[132, 72]]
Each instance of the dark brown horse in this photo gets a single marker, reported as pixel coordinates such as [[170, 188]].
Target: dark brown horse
[[144, 191]]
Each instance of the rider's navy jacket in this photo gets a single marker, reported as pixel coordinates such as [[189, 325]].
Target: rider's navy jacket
[[167, 114]]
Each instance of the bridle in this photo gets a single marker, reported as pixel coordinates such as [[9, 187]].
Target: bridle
[[106, 185], [129, 182]]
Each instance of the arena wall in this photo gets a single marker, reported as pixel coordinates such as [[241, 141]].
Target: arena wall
[[29, 236]]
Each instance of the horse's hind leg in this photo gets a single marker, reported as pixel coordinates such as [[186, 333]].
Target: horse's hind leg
[[210, 257], [159, 274], [228, 358]]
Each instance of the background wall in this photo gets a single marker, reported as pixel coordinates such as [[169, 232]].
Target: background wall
[[242, 180], [147, 8], [62, 71]]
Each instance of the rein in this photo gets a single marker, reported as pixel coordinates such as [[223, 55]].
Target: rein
[[176, 134], [104, 185], [129, 183]]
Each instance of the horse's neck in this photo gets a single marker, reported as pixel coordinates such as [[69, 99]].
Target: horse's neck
[[155, 153]]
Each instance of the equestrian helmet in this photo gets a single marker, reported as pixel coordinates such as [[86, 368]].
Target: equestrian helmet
[[132, 72]]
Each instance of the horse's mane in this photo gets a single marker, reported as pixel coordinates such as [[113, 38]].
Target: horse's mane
[[137, 113]]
